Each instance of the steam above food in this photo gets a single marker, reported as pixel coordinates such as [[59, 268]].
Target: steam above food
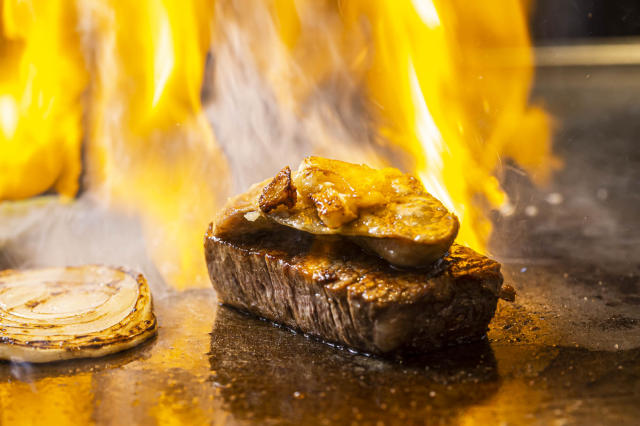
[[75, 312], [384, 211]]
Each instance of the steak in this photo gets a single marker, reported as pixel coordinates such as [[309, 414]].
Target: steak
[[329, 287]]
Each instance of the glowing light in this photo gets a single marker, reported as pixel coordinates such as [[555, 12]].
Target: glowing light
[[41, 81], [449, 81], [8, 116], [427, 12], [148, 149], [163, 56], [432, 143]]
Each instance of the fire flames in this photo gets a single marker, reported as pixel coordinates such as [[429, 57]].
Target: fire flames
[[113, 91], [447, 83], [41, 85], [150, 150]]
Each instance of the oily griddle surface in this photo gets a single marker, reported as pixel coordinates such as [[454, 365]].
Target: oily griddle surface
[[210, 364]]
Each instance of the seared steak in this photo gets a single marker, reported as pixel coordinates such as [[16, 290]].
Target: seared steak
[[329, 287]]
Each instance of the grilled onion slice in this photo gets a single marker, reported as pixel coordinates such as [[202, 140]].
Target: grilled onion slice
[[56, 314]]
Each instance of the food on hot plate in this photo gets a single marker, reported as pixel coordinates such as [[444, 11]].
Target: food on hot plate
[[355, 256], [55, 314]]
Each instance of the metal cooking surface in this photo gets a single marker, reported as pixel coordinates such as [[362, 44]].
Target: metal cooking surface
[[567, 350]]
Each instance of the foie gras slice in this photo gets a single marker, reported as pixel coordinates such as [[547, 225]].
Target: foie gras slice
[[384, 211]]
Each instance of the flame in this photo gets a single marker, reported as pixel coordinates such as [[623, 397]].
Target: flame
[[151, 150], [112, 90], [148, 148], [448, 83], [474, 98], [40, 103]]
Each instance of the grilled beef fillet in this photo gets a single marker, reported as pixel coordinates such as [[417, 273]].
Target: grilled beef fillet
[[329, 287]]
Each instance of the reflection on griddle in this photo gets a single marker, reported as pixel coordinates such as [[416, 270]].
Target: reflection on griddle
[[24, 371], [266, 373]]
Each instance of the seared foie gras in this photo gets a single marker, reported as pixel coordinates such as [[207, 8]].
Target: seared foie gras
[[385, 211], [352, 255]]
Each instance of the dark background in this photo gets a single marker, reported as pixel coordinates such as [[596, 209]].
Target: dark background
[[567, 19]]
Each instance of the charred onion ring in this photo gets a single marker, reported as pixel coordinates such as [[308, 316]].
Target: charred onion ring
[[89, 311]]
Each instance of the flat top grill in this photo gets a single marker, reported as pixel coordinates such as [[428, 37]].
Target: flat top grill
[[567, 350]]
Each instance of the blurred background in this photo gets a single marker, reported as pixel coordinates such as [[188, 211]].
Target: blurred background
[[557, 21]]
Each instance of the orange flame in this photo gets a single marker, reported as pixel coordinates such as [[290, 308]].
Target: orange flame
[[452, 79], [448, 83], [151, 150], [148, 146], [41, 82], [446, 86]]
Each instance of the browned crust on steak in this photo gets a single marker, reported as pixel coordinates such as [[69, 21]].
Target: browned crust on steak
[[328, 287]]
